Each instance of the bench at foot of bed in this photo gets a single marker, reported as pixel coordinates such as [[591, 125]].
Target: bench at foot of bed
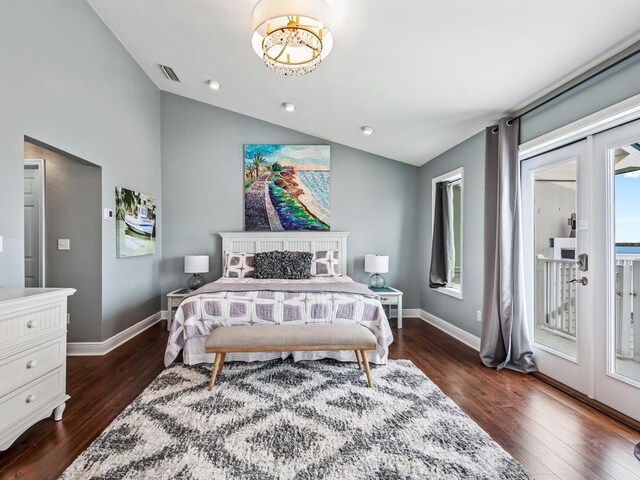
[[289, 338]]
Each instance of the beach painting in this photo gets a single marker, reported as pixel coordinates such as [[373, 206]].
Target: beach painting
[[286, 187], [135, 223]]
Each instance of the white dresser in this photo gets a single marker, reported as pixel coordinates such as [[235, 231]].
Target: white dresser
[[33, 358]]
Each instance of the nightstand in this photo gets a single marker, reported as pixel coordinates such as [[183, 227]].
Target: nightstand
[[390, 297], [173, 301]]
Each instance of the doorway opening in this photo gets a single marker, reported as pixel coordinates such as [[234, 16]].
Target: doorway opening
[[63, 231]]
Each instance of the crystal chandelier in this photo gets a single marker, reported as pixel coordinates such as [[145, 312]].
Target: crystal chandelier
[[292, 36]]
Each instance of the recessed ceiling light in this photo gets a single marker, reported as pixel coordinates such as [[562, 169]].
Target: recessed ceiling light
[[213, 85], [289, 107], [367, 130]]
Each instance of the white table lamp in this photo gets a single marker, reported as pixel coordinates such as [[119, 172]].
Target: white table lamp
[[196, 264], [376, 264]]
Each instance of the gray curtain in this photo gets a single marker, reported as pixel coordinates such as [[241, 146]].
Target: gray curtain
[[505, 339], [443, 254]]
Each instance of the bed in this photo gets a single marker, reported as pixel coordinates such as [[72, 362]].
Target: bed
[[250, 301]]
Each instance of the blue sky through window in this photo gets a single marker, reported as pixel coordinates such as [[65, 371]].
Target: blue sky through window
[[627, 204]]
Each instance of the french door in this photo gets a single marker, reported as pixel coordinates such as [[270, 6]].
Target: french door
[[555, 205], [581, 226]]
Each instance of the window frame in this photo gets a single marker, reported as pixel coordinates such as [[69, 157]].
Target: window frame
[[453, 290]]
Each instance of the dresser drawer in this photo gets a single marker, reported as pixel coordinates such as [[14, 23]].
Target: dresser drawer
[[25, 401], [389, 300], [30, 364], [32, 324]]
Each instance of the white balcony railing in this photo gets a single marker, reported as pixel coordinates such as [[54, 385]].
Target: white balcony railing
[[555, 307], [627, 306], [556, 297]]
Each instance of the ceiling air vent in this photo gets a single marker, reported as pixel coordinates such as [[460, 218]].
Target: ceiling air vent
[[169, 73]]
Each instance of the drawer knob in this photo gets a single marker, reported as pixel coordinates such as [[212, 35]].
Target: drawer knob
[[31, 364], [32, 324], [31, 398]]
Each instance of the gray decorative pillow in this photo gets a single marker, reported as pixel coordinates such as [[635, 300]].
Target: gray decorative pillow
[[326, 263], [296, 265], [239, 265], [287, 265]]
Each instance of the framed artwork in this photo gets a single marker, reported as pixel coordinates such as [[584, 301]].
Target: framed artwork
[[135, 223], [286, 187]]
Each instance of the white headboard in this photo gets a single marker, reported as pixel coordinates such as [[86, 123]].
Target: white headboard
[[252, 242]]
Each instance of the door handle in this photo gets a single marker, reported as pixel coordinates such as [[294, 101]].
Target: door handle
[[584, 281], [583, 262]]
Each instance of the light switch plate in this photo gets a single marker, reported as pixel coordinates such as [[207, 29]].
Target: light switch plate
[[108, 214], [64, 244]]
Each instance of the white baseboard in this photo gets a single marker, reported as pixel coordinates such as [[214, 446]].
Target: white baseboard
[[451, 330], [411, 313], [164, 314], [102, 348]]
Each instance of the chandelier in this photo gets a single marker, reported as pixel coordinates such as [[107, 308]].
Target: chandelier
[[291, 36]]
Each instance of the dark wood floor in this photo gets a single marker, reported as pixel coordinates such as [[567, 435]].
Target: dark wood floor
[[550, 433]]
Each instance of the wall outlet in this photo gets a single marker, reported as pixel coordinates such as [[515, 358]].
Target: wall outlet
[[479, 315], [64, 244]]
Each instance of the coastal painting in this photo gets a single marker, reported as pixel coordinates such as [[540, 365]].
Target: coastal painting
[[135, 223], [286, 187]]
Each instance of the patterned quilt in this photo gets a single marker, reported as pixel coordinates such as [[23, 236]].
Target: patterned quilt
[[199, 314]]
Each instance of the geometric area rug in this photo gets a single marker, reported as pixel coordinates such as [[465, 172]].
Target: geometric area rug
[[288, 420]]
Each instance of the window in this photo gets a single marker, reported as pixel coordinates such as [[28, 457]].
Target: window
[[445, 274]]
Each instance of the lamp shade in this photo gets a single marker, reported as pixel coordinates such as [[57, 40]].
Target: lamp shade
[[376, 263], [196, 264]]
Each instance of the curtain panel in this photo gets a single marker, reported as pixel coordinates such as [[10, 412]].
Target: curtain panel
[[505, 341], [442, 245]]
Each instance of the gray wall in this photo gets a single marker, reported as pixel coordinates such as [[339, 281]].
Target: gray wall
[[202, 170], [73, 209], [609, 88], [72, 85], [462, 313], [612, 87]]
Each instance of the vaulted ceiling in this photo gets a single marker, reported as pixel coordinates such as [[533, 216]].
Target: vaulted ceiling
[[426, 74]]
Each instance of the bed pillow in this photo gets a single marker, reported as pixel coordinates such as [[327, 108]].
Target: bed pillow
[[326, 263], [284, 265], [239, 265], [296, 265]]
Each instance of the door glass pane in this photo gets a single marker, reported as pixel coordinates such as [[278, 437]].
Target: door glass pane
[[556, 322], [627, 261]]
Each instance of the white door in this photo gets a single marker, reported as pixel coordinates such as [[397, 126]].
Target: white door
[[616, 267], [34, 223], [556, 206]]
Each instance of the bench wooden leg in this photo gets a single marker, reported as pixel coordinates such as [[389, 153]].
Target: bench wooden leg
[[359, 359], [214, 370], [221, 363], [365, 360]]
